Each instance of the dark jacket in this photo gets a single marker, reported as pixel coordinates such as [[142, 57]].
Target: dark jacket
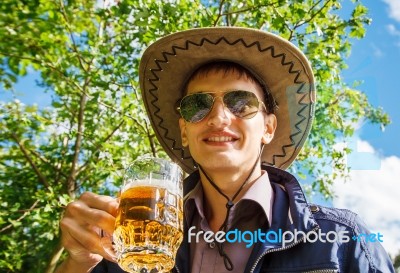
[[361, 252]]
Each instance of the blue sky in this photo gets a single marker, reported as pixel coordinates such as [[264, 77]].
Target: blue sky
[[374, 187], [375, 60]]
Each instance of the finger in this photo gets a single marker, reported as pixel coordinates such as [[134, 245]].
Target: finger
[[107, 244], [101, 202], [80, 241], [85, 216]]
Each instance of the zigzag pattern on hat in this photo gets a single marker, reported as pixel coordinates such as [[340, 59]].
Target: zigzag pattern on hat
[[299, 131], [283, 62]]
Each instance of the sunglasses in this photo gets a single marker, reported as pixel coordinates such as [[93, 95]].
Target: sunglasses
[[243, 104]]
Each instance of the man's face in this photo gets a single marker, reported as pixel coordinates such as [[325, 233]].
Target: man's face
[[222, 141]]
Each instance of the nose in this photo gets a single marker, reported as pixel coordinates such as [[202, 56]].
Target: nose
[[219, 116]]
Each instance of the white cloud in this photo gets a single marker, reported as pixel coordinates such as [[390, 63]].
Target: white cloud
[[394, 9], [364, 147], [394, 32], [377, 51], [392, 29], [374, 194]]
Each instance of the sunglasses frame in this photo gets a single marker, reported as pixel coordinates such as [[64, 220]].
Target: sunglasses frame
[[222, 97]]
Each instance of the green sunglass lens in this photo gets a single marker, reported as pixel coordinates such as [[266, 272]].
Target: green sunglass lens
[[242, 104], [196, 106]]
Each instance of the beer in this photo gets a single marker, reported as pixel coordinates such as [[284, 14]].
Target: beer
[[148, 229]]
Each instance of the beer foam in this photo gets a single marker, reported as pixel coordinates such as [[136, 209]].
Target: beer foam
[[173, 187]]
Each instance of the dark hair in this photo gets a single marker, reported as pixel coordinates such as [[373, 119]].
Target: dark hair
[[228, 67]]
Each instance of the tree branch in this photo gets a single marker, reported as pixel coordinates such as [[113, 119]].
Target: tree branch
[[123, 114], [219, 15], [312, 16], [64, 149], [45, 63], [302, 22], [55, 256], [21, 217], [248, 9], [199, 2], [299, 24], [48, 162], [98, 146], [78, 142], [21, 146], [151, 139], [75, 48]]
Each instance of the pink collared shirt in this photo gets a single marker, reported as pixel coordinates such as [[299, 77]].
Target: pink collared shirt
[[251, 212]]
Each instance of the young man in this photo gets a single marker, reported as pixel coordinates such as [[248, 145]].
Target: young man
[[233, 107]]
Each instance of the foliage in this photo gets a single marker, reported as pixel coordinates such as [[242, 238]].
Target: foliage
[[87, 54], [396, 262]]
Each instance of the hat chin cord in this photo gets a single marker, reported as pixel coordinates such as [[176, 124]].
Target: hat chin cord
[[227, 261]]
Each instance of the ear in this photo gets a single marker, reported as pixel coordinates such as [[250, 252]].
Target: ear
[[182, 126], [269, 129]]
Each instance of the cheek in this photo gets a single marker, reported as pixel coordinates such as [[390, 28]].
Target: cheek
[[190, 134], [256, 133], [256, 129]]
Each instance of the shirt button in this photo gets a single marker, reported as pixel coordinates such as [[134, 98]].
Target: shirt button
[[211, 245]]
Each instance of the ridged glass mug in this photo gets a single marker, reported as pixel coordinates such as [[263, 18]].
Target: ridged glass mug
[[149, 222]]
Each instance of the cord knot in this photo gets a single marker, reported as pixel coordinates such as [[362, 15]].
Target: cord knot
[[229, 205]]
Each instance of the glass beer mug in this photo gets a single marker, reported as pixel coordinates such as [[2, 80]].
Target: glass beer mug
[[149, 222]]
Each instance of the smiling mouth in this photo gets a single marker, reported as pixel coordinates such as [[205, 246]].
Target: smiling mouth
[[220, 139]]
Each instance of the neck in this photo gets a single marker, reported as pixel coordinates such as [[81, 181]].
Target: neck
[[229, 183]]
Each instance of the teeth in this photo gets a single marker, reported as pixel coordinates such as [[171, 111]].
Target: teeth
[[220, 139]]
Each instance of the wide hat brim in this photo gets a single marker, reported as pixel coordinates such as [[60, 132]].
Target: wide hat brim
[[166, 65]]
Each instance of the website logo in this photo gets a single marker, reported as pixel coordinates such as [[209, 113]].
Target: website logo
[[279, 237]]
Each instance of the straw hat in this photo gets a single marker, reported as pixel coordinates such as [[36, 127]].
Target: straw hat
[[167, 64]]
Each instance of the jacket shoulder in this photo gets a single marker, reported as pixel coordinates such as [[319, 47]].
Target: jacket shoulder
[[339, 216], [364, 252]]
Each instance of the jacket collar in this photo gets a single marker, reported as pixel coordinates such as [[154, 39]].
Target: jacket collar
[[291, 212]]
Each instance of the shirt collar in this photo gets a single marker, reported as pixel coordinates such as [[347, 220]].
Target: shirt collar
[[260, 192]]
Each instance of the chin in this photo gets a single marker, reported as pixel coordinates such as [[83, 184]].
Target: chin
[[218, 163]]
